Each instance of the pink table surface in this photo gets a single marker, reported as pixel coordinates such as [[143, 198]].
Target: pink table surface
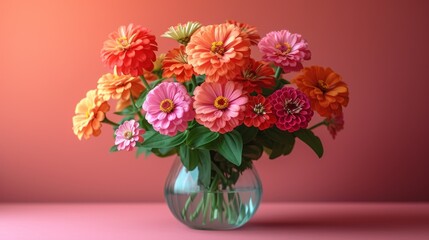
[[129, 221]]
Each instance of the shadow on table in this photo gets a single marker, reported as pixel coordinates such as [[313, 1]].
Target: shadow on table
[[343, 221]]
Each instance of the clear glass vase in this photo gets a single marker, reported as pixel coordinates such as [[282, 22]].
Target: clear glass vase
[[217, 207]]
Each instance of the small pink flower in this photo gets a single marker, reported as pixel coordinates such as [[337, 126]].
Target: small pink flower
[[220, 107], [335, 124], [285, 49], [128, 134], [169, 108], [292, 109]]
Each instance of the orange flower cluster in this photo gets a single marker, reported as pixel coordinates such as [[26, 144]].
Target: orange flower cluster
[[325, 88]]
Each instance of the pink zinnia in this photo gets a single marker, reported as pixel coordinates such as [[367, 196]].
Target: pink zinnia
[[131, 49], [128, 134], [292, 109], [285, 49], [335, 124], [220, 107], [169, 108]]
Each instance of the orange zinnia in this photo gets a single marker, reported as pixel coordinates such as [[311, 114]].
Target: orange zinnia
[[325, 88], [218, 51], [89, 113], [176, 64], [248, 31], [119, 88]]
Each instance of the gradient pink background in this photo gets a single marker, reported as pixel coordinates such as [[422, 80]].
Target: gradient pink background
[[49, 58]]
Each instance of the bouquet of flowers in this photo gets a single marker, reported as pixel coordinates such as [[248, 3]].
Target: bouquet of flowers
[[210, 102]]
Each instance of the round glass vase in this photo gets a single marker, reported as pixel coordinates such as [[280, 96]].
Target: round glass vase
[[217, 207]]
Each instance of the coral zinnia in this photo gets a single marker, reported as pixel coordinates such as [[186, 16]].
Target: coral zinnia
[[130, 49], [220, 107], [325, 88], [285, 49], [218, 51], [169, 108], [335, 124], [292, 109], [255, 76], [259, 113], [128, 134], [248, 31], [89, 113], [176, 64]]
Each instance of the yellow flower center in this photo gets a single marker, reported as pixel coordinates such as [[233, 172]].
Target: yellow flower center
[[123, 43], [217, 47], [259, 109], [166, 105], [221, 102], [322, 85], [128, 135], [284, 48]]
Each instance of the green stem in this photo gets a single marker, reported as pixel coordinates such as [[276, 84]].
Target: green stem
[[106, 120], [136, 108], [278, 73], [194, 81], [145, 83], [318, 125]]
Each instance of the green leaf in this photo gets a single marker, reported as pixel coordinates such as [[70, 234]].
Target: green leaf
[[156, 140], [189, 157], [308, 137], [204, 167], [114, 148], [164, 152], [247, 133], [231, 147], [130, 110], [200, 136], [253, 150]]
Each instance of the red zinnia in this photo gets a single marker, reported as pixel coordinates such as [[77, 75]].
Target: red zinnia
[[256, 75], [130, 49], [259, 113]]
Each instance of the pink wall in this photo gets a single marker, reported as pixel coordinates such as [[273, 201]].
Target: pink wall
[[49, 58]]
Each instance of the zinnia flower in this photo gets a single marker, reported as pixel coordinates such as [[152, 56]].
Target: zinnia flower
[[248, 31], [285, 49], [292, 109], [128, 134], [259, 113], [218, 51], [169, 108], [157, 65], [176, 64], [119, 87], [89, 113], [182, 32], [325, 88], [220, 107], [255, 76], [130, 49], [335, 124]]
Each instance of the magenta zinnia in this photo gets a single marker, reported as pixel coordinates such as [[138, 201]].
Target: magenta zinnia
[[292, 109], [285, 49], [131, 49], [220, 107], [128, 134], [169, 108]]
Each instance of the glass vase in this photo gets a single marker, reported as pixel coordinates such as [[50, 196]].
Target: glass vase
[[213, 207]]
